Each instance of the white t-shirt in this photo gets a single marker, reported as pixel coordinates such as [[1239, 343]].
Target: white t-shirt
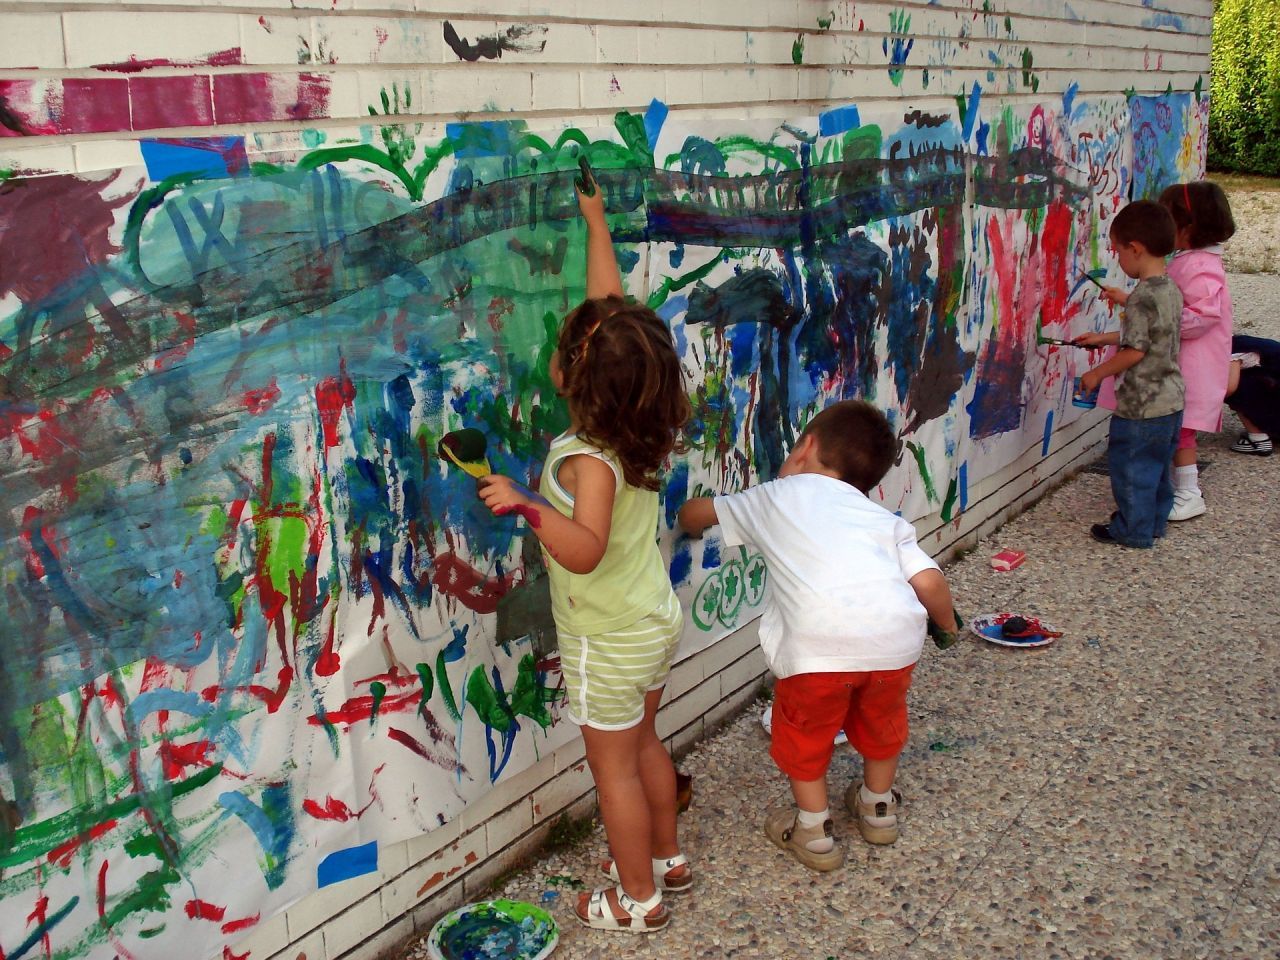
[[838, 598]]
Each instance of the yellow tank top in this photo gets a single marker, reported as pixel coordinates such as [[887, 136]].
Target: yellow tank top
[[631, 579]]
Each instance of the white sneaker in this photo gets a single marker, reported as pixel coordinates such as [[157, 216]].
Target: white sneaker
[[1186, 504], [1246, 444]]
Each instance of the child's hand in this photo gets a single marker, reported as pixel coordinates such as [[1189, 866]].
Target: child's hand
[[1089, 381], [1093, 340], [1115, 295], [590, 196], [502, 495]]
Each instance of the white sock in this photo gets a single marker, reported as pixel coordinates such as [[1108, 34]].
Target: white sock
[[808, 820], [1186, 478], [1257, 437], [871, 798]]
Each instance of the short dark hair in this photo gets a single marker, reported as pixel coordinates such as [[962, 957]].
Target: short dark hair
[[1148, 223], [855, 440], [1203, 207]]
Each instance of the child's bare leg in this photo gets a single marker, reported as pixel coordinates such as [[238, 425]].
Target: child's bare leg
[[614, 758], [879, 775], [811, 795], [658, 776], [1184, 457]]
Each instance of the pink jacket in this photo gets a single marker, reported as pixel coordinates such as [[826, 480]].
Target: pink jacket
[[1206, 334]]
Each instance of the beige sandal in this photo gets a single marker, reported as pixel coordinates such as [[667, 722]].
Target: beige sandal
[[600, 913], [662, 873]]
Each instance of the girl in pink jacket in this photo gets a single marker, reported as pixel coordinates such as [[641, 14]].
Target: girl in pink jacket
[[1203, 218]]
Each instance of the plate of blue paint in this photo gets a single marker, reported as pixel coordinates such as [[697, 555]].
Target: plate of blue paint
[[494, 930]]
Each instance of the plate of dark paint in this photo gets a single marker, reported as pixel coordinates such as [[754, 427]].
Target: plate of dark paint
[[992, 629]]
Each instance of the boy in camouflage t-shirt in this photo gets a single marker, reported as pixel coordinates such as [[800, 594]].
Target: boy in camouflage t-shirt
[[1149, 390]]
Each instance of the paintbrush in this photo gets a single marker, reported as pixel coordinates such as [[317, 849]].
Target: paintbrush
[[586, 183], [1064, 343], [1092, 279], [466, 450]]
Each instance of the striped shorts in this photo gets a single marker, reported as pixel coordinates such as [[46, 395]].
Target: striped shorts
[[607, 675]]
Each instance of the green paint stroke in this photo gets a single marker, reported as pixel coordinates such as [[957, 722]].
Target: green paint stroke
[[379, 690], [424, 675], [528, 699], [34, 840], [797, 49], [949, 504], [917, 451], [446, 688]]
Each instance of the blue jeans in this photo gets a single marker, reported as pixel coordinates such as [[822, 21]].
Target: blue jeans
[[1140, 459]]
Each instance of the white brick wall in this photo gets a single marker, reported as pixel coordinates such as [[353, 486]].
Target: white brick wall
[[704, 58]]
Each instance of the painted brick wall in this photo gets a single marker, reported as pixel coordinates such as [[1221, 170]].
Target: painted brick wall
[[82, 84]]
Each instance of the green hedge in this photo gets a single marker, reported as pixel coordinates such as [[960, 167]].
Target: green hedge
[[1244, 93]]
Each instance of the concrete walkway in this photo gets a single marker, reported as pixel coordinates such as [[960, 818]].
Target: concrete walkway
[[1112, 795]]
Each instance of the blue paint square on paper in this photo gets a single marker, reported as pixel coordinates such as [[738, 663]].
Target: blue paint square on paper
[[345, 864], [831, 122], [212, 157]]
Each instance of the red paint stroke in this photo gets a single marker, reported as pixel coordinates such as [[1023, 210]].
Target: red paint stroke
[[52, 229], [262, 97], [332, 396], [259, 401], [417, 746], [46, 107], [40, 914], [333, 809], [456, 578], [102, 889], [529, 512], [158, 103], [228, 955], [230, 57], [1056, 306], [328, 663], [203, 910], [176, 757], [61, 854], [361, 708], [274, 698], [244, 923]]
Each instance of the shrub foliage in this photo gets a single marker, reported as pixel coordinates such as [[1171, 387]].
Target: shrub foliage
[[1244, 104]]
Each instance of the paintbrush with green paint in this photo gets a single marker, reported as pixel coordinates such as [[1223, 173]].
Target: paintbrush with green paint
[[1087, 275], [465, 449], [586, 182]]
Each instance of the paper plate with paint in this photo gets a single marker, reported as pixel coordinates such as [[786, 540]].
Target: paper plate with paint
[[766, 721], [1014, 630], [494, 930]]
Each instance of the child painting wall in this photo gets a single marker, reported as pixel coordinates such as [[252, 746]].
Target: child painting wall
[[253, 617]]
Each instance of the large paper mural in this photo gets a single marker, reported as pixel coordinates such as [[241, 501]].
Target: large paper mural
[[253, 624]]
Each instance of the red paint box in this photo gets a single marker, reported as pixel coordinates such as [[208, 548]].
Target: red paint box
[[1007, 559]]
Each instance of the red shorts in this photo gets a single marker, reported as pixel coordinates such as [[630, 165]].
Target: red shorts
[[809, 709]]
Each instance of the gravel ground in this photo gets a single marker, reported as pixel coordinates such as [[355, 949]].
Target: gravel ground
[[1112, 795]]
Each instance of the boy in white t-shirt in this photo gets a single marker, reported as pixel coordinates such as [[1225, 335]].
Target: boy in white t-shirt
[[850, 593]]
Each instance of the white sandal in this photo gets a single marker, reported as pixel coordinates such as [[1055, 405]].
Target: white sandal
[[600, 914], [661, 868]]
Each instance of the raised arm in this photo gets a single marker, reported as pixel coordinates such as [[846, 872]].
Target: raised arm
[[696, 515], [603, 278]]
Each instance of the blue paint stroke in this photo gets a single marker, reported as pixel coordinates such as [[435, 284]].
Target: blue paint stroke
[[654, 118], [971, 111], [209, 157], [681, 562], [43, 929], [346, 864], [272, 825], [1048, 435], [710, 553], [838, 120], [964, 486]]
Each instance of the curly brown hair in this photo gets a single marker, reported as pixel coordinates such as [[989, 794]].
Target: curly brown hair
[[623, 383]]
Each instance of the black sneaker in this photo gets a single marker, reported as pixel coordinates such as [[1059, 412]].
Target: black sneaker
[[1102, 533], [1246, 444]]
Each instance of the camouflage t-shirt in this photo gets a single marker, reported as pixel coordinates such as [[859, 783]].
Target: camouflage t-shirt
[[1150, 322]]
